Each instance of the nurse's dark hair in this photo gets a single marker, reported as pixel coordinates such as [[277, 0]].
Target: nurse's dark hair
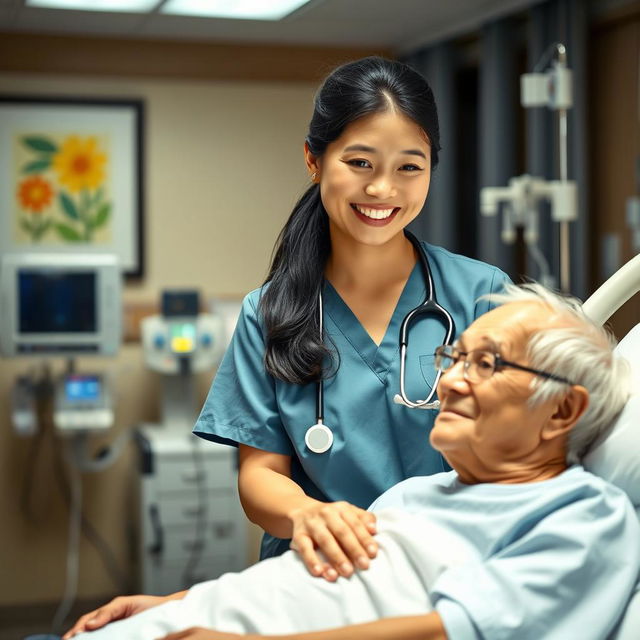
[[289, 305]]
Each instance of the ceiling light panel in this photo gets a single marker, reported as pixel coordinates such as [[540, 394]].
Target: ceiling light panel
[[133, 6], [238, 9]]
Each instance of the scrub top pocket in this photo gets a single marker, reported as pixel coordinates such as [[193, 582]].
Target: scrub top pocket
[[428, 369]]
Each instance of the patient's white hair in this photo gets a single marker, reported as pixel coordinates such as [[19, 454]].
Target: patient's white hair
[[581, 352]]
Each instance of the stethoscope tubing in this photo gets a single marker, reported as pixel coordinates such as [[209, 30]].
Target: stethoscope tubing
[[429, 305], [320, 431], [320, 389]]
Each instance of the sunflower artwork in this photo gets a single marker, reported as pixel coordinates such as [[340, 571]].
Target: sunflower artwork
[[62, 193]]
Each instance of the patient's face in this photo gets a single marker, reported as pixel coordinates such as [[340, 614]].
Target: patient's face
[[489, 427]]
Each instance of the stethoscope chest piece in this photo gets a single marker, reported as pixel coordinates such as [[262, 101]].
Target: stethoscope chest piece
[[318, 438]]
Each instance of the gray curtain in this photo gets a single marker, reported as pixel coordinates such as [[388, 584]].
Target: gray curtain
[[437, 222], [497, 131]]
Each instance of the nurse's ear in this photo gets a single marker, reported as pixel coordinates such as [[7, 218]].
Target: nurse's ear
[[313, 164]]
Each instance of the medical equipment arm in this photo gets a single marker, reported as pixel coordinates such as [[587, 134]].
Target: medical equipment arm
[[271, 499]]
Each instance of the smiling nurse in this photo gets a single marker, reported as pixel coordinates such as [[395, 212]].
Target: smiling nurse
[[319, 341]]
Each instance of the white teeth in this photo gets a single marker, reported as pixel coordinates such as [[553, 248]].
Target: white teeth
[[376, 214]]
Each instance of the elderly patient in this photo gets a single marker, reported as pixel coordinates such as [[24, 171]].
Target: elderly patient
[[519, 541]]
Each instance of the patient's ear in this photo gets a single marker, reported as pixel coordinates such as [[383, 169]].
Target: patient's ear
[[568, 411]]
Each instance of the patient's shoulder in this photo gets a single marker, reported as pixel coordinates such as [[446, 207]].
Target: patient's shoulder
[[405, 493]]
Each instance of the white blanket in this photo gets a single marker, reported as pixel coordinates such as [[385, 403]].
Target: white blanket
[[279, 596]]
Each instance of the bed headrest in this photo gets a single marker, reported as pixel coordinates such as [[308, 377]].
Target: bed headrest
[[617, 457]]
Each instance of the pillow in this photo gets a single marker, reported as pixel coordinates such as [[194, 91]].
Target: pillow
[[617, 457]]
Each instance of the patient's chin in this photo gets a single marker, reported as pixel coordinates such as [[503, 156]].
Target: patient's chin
[[446, 431]]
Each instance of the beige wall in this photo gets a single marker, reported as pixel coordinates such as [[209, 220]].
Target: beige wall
[[223, 168]]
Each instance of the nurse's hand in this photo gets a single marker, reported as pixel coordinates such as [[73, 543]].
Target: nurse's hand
[[339, 531], [119, 608]]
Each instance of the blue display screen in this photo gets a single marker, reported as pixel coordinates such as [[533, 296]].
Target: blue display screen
[[57, 302], [82, 388]]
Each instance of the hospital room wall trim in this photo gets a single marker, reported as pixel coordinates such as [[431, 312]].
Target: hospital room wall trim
[[40, 53]]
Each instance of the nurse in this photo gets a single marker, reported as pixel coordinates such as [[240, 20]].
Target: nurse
[[372, 145]]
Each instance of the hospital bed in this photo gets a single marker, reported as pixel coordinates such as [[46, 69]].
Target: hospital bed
[[617, 457]]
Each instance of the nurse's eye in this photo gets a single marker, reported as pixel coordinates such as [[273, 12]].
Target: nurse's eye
[[359, 163], [410, 168]]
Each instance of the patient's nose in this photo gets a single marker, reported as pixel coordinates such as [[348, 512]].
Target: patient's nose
[[453, 379]]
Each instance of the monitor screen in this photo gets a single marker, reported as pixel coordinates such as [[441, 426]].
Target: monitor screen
[[57, 302], [183, 337], [79, 388]]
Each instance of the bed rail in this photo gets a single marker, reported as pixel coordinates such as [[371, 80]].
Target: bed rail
[[614, 292]]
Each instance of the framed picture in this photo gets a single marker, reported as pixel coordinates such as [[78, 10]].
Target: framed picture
[[71, 177]]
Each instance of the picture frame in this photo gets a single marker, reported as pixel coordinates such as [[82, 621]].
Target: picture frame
[[72, 176]]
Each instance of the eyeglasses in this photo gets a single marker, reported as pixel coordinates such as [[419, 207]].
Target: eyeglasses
[[480, 365]]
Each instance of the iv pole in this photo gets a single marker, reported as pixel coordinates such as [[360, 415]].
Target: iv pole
[[565, 265], [520, 199]]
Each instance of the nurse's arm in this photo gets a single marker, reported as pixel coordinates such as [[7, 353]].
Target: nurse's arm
[[272, 500], [426, 627]]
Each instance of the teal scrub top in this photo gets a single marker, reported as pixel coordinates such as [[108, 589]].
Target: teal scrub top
[[377, 443]]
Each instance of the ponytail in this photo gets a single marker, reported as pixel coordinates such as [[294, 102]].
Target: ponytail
[[289, 305]]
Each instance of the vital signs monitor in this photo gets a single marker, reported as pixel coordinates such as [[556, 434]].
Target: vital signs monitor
[[65, 304]]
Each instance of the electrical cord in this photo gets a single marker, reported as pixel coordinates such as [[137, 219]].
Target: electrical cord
[[105, 553], [539, 258], [73, 546], [43, 390], [28, 475], [71, 490]]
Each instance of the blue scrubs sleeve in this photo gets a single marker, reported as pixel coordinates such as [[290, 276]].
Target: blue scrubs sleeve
[[241, 407], [498, 280]]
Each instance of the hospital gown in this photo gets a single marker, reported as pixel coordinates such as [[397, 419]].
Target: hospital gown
[[555, 559]]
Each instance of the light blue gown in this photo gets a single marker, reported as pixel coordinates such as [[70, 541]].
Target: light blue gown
[[376, 443]]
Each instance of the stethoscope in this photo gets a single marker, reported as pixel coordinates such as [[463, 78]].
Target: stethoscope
[[319, 437]]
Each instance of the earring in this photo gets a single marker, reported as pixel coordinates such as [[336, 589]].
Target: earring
[[314, 176]]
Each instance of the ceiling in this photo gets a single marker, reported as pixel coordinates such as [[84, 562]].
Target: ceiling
[[395, 25]]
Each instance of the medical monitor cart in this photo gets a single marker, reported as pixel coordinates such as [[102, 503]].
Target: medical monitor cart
[[192, 527], [63, 305]]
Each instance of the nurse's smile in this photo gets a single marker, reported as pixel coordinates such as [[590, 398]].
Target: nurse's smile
[[375, 215]]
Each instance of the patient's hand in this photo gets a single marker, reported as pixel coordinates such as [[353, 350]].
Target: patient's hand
[[342, 532], [117, 609]]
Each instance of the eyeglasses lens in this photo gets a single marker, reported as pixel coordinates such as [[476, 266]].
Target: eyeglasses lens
[[478, 365]]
